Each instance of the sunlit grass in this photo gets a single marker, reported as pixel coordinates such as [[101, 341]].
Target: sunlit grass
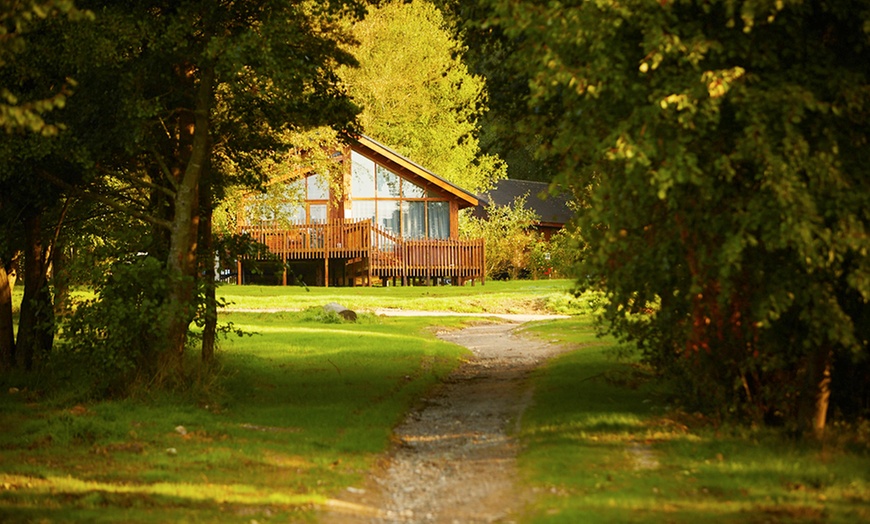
[[601, 445], [494, 297], [303, 411]]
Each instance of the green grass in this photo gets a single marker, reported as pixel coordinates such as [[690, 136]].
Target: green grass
[[304, 410], [551, 296], [600, 446]]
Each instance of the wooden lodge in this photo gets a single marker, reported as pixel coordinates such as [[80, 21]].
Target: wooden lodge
[[386, 219]]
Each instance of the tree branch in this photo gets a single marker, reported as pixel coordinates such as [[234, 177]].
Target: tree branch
[[167, 173], [140, 182], [105, 200]]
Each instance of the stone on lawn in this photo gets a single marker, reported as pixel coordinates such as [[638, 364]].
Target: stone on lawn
[[342, 311]]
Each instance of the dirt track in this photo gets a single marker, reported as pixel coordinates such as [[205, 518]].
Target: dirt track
[[454, 460]]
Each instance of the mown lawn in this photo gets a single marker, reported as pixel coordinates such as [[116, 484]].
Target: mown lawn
[[551, 296], [301, 411], [600, 446]]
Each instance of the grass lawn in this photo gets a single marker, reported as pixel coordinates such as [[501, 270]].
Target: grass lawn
[[551, 296], [304, 410], [599, 447]]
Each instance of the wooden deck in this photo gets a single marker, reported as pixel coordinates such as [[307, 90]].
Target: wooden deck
[[366, 252]]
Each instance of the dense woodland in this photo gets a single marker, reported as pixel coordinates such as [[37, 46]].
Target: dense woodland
[[715, 150]]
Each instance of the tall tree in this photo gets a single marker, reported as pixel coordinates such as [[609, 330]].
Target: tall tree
[[253, 68], [718, 148], [33, 84], [167, 91], [417, 94]]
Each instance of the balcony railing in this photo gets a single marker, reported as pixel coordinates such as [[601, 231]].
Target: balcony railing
[[383, 254]]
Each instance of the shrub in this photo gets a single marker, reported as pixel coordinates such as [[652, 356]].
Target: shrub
[[113, 340]]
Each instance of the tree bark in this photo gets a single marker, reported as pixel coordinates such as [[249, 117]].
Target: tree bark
[[7, 332], [60, 278], [820, 376], [209, 328], [36, 323], [181, 263]]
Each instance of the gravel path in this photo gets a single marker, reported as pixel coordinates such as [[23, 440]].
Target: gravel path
[[454, 460]]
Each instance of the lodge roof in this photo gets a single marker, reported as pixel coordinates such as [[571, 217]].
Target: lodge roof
[[553, 210], [390, 158]]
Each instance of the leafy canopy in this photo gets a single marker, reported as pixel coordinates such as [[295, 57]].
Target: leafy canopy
[[417, 95], [719, 150]]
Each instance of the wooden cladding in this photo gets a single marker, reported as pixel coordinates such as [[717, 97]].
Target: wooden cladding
[[372, 251]]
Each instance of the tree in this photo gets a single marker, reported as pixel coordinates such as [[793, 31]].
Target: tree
[[219, 81], [30, 212], [417, 95], [169, 97], [718, 150]]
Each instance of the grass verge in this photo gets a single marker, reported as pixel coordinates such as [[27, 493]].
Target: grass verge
[[303, 410], [600, 447], [542, 296]]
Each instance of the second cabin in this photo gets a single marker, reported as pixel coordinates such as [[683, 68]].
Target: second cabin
[[384, 219]]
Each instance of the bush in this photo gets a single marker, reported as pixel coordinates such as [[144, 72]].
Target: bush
[[113, 341]]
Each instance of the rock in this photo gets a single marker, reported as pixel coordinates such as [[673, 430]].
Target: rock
[[342, 311]]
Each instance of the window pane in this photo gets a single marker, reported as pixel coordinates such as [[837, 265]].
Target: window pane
[[293, 212], [317, 212], [412, 190], [439, 220], [362, 180], [363, 209], [294, 190], [414, 219], [389, 216], [388, 183], [318, 187]]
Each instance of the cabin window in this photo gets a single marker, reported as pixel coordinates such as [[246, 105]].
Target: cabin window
[[439, 219], [362, 180], [389, 217], [388, 183], [396, 205], [414, 219], [317, 213], [318, 187], [412, 190], [364, 210]]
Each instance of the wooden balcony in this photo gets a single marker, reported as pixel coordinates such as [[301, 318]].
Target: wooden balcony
[[369, 252]]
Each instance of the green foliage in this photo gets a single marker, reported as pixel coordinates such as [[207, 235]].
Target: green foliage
[[20, 110], [113, 341], [417, 95], [717, 149], [509, 239]]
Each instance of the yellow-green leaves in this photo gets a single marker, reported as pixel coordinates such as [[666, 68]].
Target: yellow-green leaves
[[719, 82]]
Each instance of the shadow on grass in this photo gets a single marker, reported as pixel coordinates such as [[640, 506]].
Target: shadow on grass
[[304, 409], [599, 448]]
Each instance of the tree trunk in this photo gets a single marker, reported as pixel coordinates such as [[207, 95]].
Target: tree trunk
[[7, 332], [820, 382], [36, 323], [181, 263], [60, 278], [209, 328]]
